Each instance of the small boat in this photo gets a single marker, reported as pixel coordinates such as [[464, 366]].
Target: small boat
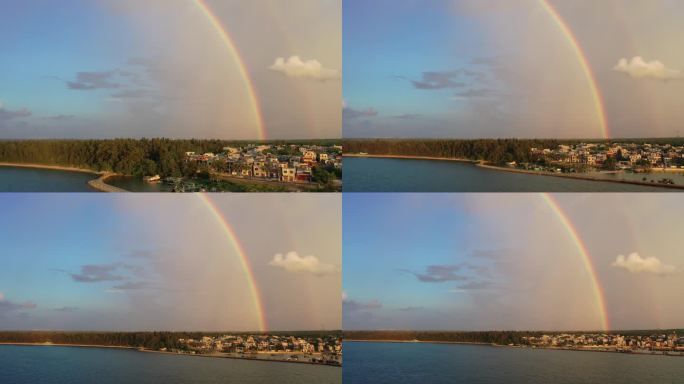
[[152, 179]]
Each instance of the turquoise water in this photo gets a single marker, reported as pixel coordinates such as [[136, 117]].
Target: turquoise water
[[47, 365], [14, 179], [442, 363], [404, 175]]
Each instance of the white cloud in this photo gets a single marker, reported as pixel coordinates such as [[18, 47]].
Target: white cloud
[[635, 263], [292, 262], [2, 296], [638, 68], [310, 69]]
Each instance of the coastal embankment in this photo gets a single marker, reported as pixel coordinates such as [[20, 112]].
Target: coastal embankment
[[101, 185], [97, 184]]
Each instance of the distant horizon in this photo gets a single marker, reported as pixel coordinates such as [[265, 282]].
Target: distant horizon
[[513, 138], [515, 330]]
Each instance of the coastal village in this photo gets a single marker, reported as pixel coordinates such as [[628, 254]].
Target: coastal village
[[615, 156], [669, 344], [314, 350], [285, 163]]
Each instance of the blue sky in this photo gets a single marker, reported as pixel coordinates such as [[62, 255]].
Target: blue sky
[[498, 68], [505, 261], [45, 42], [125, 68], [110, 262]]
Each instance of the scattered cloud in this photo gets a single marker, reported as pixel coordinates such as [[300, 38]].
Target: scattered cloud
[[479, 93], [350, 113], [295, 67], [410, 309], [65, 309], [634, 263], [473, 285], [88, 81], [350, 305], [95, 273], [132, 94], [479, 269], [9, 306], [7, 115], [408, 116], [434, 80], [61, 117], [638, 68], [133, 285], [292, 262], [438, 273]]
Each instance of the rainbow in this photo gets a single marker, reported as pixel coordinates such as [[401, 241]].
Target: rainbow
[[586, 258], [584, 63], [247, 82], [244, 261]]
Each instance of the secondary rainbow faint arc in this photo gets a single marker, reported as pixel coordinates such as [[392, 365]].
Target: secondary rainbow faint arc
[[242, 255], [586, 258], [242, 68], [584, 63]]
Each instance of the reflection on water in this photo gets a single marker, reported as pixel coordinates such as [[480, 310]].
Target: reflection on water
[[27, 364], [17, 179], [448, 363]]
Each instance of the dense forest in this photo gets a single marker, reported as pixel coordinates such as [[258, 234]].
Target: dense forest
[[124, 156], [148, 340], [496, 151], [489, 337]]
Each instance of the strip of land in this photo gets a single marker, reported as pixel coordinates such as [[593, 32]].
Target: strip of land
[[575, 349], [412, 157]]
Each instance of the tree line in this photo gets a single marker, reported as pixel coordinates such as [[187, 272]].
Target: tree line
[[488, 337], [135, 157], [496, 151]]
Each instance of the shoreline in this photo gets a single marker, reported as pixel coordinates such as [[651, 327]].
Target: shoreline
[[144, 350], [98, 184], [648, 353], [481, 164], [579, 177]]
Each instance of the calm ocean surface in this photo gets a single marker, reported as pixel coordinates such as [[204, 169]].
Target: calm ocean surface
[[43, 180], [402, 175], [37, 365], [441, 363]]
